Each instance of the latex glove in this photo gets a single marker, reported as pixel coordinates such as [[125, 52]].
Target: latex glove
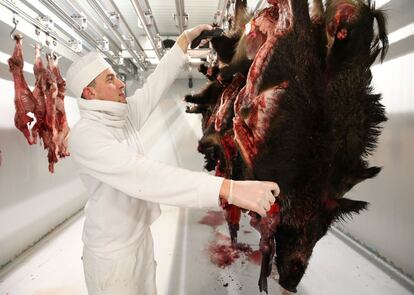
[[257, 196], [193, 33]]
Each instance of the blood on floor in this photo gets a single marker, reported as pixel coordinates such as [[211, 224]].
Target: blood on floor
[[222, 253]]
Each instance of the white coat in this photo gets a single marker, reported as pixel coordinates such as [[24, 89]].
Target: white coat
[[125, 188]]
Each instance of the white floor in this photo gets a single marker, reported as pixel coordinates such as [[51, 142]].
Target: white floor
[[184, 267]]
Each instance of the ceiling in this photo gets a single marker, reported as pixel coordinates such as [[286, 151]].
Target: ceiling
[[133, 46]]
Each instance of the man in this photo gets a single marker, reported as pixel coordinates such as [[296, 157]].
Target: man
[[125, 187]]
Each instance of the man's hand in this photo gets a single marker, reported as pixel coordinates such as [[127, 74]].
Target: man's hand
[[257, 196], [193, 33], [189, 35]]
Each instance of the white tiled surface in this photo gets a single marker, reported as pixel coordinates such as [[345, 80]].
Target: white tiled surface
[[55, 267]]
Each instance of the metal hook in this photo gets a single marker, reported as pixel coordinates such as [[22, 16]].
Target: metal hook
[[15, 22], [37, 32], [54, 44], [47, 39], [39, 43]]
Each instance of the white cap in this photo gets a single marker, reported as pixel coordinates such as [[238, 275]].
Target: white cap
[[83, 71]]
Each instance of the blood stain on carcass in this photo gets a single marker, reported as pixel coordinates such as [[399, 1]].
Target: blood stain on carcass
[[213, 219], [247, 232]]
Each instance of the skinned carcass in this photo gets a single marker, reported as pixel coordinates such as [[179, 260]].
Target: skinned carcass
[[50, 136], [46, 102], [44, 129], [40, 107], [61, 122], [55, 128], [23, 99]]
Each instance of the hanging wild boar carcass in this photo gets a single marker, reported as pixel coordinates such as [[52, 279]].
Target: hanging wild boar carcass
[[308, 122], [307, 119]]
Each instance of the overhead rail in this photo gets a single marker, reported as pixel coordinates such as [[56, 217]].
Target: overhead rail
[[102, 14], [130, 31], [156, 44], [181, 16], [153, 22], [35, 22], [104, 41], [58, 11], [221, 9]]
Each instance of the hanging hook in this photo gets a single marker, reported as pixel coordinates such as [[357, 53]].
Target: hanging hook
[[47, 43], [53, 53], [47, 39], [39, 43], [37, 32], [15, 22]]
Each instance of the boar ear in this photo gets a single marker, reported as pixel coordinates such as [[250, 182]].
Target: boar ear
[[350, 181], [367, 173], [344, 206]]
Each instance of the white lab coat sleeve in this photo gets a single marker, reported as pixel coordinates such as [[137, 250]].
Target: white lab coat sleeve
[[145, 99], [120, 167]]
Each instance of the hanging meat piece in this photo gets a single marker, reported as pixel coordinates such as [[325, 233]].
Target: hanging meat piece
[[61, 122], [39, 97], [51, 125], [51, 140], [45, 93], [46, 102], [23, 99], [44, 130]]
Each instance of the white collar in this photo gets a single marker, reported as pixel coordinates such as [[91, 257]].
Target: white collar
[[109, 113]]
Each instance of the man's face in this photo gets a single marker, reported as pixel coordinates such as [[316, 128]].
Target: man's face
[[107, 87]]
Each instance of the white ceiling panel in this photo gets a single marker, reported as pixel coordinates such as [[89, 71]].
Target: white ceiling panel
[[199, 12], [163, 12]]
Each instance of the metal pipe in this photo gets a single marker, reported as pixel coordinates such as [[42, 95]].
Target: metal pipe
[[102, 14], [179, 6], [130, 31], [11, 6], [153, 19], [71, 23], [98, 31], [221, 9], [141, 15]]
